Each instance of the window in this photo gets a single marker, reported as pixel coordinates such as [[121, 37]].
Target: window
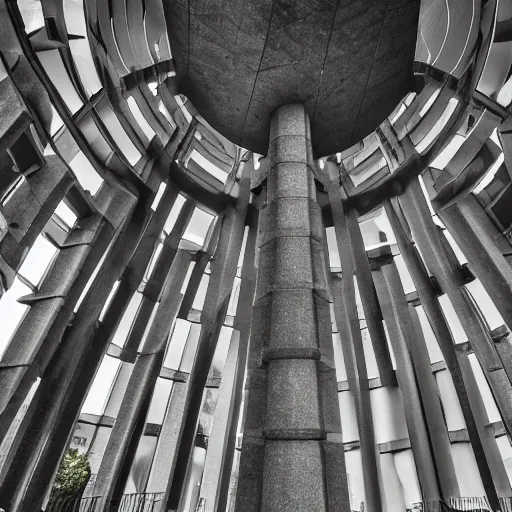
[[159, 194], [139, 117], [37, 261], [85, 173], [198, 227], [100, 389], [79, 441]]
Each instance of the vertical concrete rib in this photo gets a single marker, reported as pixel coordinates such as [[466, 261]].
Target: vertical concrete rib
[[164, 462], [443, 264], [372, 313], [345, 312], [223, 271], [134, 271], [67, 378], [292, 456], [444, 267], [216, 453], [243, 324], [155, 283], [140, 387], [402, 337], [479, 239], [475, 427]]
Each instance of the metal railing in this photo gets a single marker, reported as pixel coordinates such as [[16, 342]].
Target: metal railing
[[137, 502], [151, 502]]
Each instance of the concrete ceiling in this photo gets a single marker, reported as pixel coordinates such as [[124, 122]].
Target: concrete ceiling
[[348, 61]]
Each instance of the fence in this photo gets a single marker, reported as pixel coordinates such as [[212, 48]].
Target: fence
[[151, 502], [139, 502]]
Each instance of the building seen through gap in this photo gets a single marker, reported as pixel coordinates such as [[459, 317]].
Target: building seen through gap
[[256, 256]]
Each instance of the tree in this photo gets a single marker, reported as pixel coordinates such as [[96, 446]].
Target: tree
[[74, 472]]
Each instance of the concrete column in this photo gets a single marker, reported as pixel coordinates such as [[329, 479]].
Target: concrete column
[[164, 462], [407, 383], [444, 267], [414, 376], [429, 392], [153, 288], [483, 245], [132, 413], [243, 324], [217, 444], [134, 271], [372, 313], [292, 455], [68, 376], [223, 271], [474, 422], [345, 311]]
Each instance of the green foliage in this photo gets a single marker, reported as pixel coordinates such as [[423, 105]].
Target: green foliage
[[74, 471]]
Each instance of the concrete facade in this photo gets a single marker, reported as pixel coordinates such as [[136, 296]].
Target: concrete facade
[[216, 330]]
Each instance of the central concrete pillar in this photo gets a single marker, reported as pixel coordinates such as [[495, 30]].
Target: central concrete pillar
[[292, 454]]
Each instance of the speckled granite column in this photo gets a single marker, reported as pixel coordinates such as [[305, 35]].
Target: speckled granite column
[[292, 455]]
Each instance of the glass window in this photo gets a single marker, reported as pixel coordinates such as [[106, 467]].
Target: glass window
[[93, 276], [493, 413], [339, 360], [118, 133], [208, 166], [38, 260], [434, 132], [173, 214], [233, 300], [154, 259], [85, 173], [109, 300], [332, 245], [485, 304], [139, 473], [403, 272], [123, 329], [55, 69], [201, 293], [187, 360], [221, 351], [176, 344], [161, 394], [430, 102], [32, 13], [198, 227], [458, 333], [57, 122], [101, 385], [187, 277], [139, 117], [66, 214], [158, 196]]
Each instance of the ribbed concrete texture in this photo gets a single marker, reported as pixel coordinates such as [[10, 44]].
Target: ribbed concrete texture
[[292, 456]]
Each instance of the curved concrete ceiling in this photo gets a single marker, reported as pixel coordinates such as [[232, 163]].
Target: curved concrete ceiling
[[349, 61]]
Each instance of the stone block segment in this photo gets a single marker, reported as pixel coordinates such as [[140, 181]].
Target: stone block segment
[[292, 403]]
